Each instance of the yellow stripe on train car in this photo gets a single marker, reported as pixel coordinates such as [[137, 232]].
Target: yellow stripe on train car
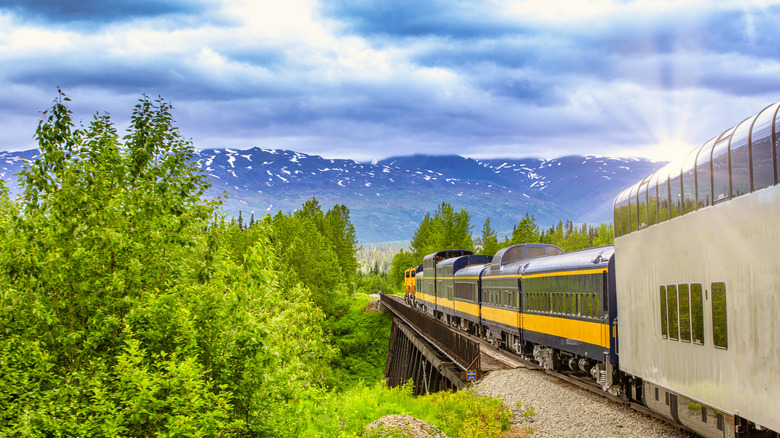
[[589, 332], [509, 317], [468, 308]]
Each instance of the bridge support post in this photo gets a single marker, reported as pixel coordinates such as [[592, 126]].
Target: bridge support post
[[410, 357]]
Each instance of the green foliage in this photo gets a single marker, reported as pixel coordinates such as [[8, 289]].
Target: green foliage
[[569, 238], [362, 337], [446, 229], [372, 283], [121, 314], [458, 414], [401, 262], [310, 257], [525, 232], [378, 254], [488, 241]]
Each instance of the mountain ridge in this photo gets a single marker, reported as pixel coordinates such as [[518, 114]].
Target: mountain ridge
[[388, 198]]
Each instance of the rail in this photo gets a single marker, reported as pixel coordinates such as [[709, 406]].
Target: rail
[[462, 350]]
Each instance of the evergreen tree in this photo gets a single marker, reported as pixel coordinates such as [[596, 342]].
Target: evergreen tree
[[337, 227], [526, 231], [488, 241]]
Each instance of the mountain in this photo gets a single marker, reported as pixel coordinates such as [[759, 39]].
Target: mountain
[[388, 199]]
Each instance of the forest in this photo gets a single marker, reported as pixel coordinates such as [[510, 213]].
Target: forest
[[130, 305]]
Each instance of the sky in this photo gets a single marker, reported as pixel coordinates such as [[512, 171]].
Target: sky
[[367, 80]]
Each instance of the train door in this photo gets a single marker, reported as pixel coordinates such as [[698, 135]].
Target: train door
[[612, 316], [520, 312]]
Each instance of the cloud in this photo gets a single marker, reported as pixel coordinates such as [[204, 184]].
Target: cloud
[[92, 12], [370, 79]]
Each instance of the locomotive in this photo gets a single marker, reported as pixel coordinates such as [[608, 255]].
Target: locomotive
[[680, 315]]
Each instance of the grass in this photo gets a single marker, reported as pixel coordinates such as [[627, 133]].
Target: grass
[[458, 414]]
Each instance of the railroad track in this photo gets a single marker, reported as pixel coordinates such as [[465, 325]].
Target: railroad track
[[513, 360], [494, 358]]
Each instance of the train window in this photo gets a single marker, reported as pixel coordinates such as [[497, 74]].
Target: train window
[[624, 219], [548, 302], [663, 195], [616, 217], [697, 314], [721, 188], [585, 310], [664, 326], [740, 158], [641, 204], [704, 176], [595, 307], [685, 313], [671, 304], [777, 147], [652, 200], [719, 320], [761, 149], [689, 182], [632, 209], [675, 190]]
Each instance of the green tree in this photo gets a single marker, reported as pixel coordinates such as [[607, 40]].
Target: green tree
[[488, 241], [337, 227], [604, 235], [446, 229], [310, 258], [122, 315], [526, 231], [402, 261]]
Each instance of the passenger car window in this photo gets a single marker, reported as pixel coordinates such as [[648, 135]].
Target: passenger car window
[[740, 158], [652, 200], [671, 304], [664, 316], [641, 204], [689, 182], [704, 175], [697, 314], [719, 319], [720, 168], [675, 191], [663, 196], [761, 149], [632, 209], [685, 313]]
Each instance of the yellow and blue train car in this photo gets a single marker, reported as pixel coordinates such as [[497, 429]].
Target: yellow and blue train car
[[566, 308], [428, 282], [446, 306], [410, 283], [501, 292]]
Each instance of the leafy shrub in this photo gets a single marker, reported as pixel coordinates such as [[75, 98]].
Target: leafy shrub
[[123, 313], [362, 338], [458, 414]]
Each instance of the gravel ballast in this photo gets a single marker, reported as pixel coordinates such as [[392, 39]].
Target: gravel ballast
[[563, 410]]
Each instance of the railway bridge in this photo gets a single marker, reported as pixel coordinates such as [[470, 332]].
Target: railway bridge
[[428, 352]]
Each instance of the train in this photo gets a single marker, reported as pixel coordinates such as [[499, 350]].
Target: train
[[680, 315]]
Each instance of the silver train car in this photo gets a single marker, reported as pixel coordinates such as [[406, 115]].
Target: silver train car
[[697, 272]]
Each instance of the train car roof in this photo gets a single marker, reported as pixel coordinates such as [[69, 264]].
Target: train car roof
[[471, 271], [430, 260], [524, 251], [586, 258], [459, 263]]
